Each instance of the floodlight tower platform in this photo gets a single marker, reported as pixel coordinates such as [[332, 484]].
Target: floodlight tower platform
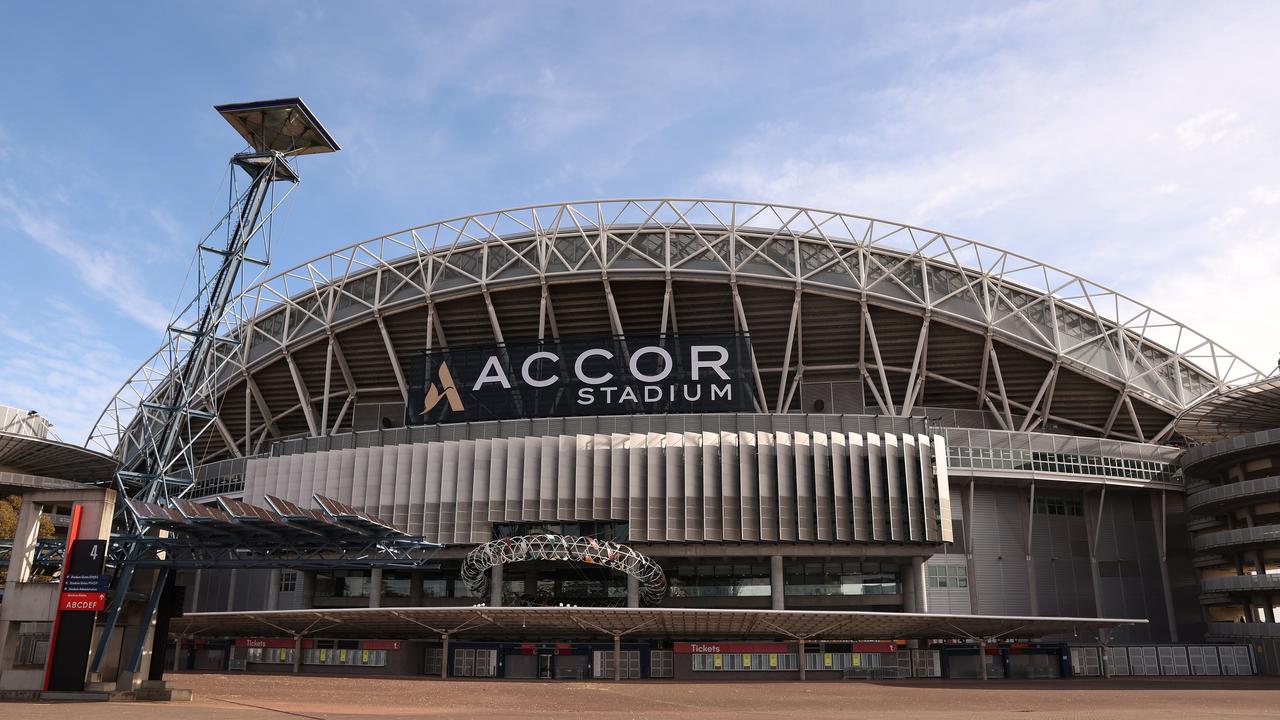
[[284, 126]]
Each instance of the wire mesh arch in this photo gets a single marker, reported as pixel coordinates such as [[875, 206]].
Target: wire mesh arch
[[565, 548]]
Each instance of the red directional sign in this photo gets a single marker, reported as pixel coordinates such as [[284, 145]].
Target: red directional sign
[[95, 601]]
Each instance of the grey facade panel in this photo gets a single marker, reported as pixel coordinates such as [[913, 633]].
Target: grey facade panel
[[767, 474], [859, 486], [911, 482], [730, 487], [748, 483], [689, 486], [822, 504], [894, 488], [841, 488], [694, 487], [1000, 565], [712, 503], [876, 502], [673, 457], [601, 461]]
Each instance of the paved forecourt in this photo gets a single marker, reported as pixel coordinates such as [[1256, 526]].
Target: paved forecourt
[[276, 696]]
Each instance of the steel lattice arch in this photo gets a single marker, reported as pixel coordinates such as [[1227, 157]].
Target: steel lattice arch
[[920, 318], [565, 548]]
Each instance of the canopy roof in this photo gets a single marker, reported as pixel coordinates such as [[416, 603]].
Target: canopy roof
[[244, 525], [50, 458], [566, 623], [1234, 411]]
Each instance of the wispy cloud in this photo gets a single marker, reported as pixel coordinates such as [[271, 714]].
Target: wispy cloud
[[67, 374], [112, 275]]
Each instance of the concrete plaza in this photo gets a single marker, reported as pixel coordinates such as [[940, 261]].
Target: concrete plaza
[[275, 696]]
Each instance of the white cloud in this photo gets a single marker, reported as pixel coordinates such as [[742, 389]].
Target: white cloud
[[1130, 158], [1264, 195], [1213, 127]]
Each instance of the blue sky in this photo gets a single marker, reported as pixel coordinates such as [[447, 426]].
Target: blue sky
[[1134, 144]]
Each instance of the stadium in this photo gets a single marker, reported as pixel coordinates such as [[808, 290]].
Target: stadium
[[718, 408]]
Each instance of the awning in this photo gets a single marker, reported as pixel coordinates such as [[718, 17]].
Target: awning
[[594, 623], [51, 458]]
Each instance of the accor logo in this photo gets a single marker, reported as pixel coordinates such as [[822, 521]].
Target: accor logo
[[447, 390]]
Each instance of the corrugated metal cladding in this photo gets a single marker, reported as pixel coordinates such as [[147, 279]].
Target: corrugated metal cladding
[[760, 485]]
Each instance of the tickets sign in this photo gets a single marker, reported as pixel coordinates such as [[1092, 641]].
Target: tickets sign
[[732, 647]]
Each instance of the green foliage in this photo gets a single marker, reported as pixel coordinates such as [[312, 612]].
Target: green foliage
[[9, 508], [9, 516]]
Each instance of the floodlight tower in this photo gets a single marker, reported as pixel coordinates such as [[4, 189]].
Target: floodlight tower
[[156, 437], [158, 461]]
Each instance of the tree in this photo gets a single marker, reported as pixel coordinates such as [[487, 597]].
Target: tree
[[8, 518], [9, 509]]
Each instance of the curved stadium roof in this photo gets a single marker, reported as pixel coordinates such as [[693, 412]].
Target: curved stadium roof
[[933, 320]]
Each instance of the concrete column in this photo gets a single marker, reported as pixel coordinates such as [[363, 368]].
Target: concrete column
[[193, 595], [1264, 603], [444, 657], [231, 590], [297, 653], [415, 589], [908, 589], [633, 591], [1028, 520], [922, 589], [307, 587], [971, 565], [375, 588], [982, 658], [1158, 510], [495, 586], [177, 653], [22, 555], [1091, 531], [1106, 653], [776, 589], [617, 657], [273, 590], [800, 656]]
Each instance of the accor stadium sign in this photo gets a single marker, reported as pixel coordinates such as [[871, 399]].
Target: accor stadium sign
[[582, 376]]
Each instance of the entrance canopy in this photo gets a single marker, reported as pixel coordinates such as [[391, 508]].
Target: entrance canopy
[[567, 623]]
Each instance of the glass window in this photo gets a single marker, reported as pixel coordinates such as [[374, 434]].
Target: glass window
[[33, 643], [342, 583], [396, 584], [956, 576], [435, 588]]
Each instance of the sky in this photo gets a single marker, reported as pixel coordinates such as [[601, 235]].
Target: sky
[[1134, 144]]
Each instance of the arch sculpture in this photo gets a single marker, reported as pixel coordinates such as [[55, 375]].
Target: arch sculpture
[[567, 548]]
